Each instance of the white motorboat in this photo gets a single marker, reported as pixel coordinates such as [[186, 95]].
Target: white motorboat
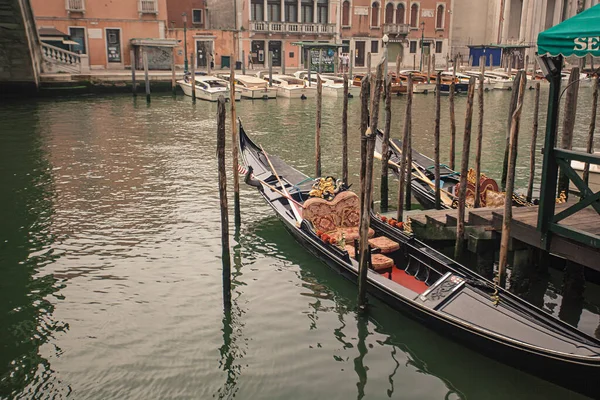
[[253, 87], [487, 81], [292, 87], [208, 88], [333, 86], [501, 80]]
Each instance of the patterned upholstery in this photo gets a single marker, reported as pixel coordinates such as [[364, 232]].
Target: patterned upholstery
[[379, 261], [384, 244]]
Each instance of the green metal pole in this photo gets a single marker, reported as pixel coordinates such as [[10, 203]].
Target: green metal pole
[[550, 166]]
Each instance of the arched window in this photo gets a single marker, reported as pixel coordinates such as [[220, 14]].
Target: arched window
[[414, 15], [375, 14], [400, 14], [389, 13], [439, 20], [346, 13]]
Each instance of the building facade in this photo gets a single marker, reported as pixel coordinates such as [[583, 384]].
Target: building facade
[[416, 29], [204, 30], [273, 26], [106, 30], [510, 22]]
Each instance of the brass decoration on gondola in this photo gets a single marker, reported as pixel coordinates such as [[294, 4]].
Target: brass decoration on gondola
[[326, 188]]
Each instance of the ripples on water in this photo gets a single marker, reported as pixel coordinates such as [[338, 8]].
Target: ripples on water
[[111, 264]]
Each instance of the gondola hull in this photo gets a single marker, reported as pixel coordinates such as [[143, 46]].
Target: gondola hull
[[457, 305]]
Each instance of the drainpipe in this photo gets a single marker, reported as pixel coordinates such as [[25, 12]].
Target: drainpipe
[[451, 27]]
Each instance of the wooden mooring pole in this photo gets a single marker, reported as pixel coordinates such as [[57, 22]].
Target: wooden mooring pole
[[479, 137], [351, 62], [385, 146], [511, 110], [404, 175], [243, 62], [193, 80], [146, 77], [234, 144], [318, 127], [452, 116], [436, 149], [133, 66], [464, 167], [569, 124], [536, 112], [398, 62], [173, 80], [271, 71], [521, 79], [345, 131], [365, 93], [408, 152], [226, 256], [590, 140]]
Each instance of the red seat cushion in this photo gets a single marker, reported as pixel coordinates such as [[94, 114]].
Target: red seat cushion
[[386, 245], [379, 261]]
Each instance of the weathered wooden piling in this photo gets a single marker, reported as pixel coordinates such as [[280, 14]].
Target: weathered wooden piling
[[234, 144], [436, 149], [479, 139], [336, 61], [408, 152], [208, 64], [429, 69], [351, 62], [133, 66], [173, 80], [283, 61], [318, 127], [385, 146], [511, 110], [369, 63], [146, 77], [226, 256], [398, 62], [521, 79], [452, 116], [404, 175], [193, 77], [271, 68], [243, 62], [345, 131], [590, 139], [376, 97], [365, 93], [470, 62], [447, 63], [536, 112], [464, 167], [415, 61], [569, 124]]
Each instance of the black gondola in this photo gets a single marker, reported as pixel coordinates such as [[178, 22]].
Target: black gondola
[[424, 284], [423, 178]]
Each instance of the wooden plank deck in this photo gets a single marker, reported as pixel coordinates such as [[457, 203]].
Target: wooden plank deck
[[524, 228]]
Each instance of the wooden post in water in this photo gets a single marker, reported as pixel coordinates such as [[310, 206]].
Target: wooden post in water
[[365, 93], [464, 167], [429, 68], [511, 110], [404, 175], [146, 77], [398, 62], [514, 139], [345, 131], [283, 61], [221, 112], [590, 140], [318, 127], [369, 64], [243, 62], [193, 80], [385, 146], [436, 149], [351, 62], [336, 62], [470, 62], [414, 61], [376, 97], [536, 111], [173, 80], [452, 116], [408, 152], [491, 62], [447, 62], [479, 140], [271, 70], [133, 65], [208, 64], [234, 144], [569, 124]]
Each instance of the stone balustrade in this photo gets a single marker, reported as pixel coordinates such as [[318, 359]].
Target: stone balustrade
[[60, 60], [292, 28]]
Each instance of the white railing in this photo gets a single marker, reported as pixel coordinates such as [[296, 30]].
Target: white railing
[[396, 29], [75, 5], [148, 7], [64, 60], [292, 27]]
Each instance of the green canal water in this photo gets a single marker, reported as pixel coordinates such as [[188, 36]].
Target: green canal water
[[110, 263]]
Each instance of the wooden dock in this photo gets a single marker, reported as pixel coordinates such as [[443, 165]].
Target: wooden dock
[[483, 225]]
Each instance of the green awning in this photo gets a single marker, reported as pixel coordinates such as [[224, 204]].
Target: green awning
[[579, 36]]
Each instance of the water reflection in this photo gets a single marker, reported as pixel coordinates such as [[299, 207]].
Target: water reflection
[[26, 309]]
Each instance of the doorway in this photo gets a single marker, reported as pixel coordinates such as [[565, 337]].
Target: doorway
[[258, 51], [203, 49], [359, 53], [113, 45], [78, 35], [275, 48]]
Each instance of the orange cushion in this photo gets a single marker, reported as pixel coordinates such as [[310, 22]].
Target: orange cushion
[[379, 261], [386, 245]]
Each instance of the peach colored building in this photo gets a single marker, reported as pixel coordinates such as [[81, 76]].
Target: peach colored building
[[208, 31], [274, 25], [106, 30], [363, 23]]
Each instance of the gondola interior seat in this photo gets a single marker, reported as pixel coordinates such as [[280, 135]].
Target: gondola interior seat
[[379, 262]]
